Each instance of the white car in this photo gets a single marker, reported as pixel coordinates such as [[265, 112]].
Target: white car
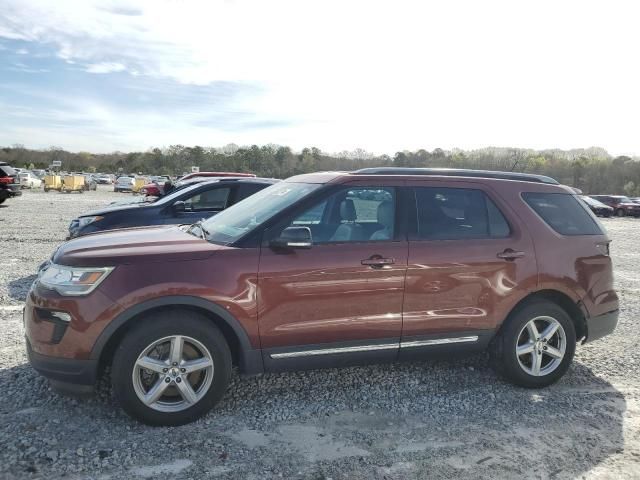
[[29, 180], [123, 184]]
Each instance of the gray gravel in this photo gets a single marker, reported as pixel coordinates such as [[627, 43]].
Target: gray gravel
[[401, 421]]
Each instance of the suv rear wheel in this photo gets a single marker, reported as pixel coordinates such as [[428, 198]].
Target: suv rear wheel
[[171, 368], [536, 345]]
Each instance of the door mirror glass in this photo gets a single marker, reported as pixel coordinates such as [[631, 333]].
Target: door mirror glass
[[293, 237]]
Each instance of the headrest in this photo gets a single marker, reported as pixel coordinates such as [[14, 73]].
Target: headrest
[[385, 213], [348, 210]]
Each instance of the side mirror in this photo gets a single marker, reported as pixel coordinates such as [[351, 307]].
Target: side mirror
[[293, 238], [179, 206]]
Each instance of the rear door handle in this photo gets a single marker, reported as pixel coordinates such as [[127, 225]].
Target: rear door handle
[[510, 254], [376, 261]]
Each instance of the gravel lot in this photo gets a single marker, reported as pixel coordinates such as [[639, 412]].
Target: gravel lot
[[411, 420]]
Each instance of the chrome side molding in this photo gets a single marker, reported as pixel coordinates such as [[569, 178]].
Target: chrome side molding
[[372, 348], [439, 341], [331, 351]]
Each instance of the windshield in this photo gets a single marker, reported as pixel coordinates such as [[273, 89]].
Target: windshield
[[229, 225], [624, 200]]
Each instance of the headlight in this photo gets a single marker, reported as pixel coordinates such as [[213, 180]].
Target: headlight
[[73, 280], [84, 221]]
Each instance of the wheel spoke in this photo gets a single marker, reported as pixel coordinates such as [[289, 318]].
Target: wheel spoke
[[195, 365], [175, 353], [186, 390], [536, 362], [151, 364], [533, 330], [155, 392], [524, 349], [550, 330], [553, 352]]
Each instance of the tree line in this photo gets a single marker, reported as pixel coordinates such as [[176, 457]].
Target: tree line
[[592, 170]]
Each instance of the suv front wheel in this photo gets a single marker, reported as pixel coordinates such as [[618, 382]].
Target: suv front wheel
[[536, 345], [171, 368]]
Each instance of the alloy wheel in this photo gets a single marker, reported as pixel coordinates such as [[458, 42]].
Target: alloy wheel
[[173, 373], [541, 346]]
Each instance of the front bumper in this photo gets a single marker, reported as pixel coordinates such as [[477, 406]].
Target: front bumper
[[61, 350], [601, 325], [70, 375]]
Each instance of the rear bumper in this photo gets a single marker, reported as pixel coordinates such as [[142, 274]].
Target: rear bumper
[[11, 190], [601, 325], [69, 375]]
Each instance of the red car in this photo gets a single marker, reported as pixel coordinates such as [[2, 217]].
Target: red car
[[622, 206], [156, 190], [327, 269]]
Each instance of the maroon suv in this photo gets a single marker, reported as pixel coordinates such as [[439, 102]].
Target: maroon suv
[[622, 206], [327, 269]]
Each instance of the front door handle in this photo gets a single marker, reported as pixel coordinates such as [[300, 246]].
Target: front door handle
[[510, 254], [376, 261]]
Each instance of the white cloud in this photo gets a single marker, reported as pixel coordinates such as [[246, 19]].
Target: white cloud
[[105, 67], [381, 75]]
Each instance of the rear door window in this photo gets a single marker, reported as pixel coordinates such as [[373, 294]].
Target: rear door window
[[564, 213], [458, 213]]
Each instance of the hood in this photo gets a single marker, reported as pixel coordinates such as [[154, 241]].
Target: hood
[[134, 245], [117, 208]]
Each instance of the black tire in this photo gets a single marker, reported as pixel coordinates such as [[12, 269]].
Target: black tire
[[2, 199], [620, 213], [151, 329], [503, 351]]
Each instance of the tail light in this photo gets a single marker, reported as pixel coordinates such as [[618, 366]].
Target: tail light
[[7, 180]]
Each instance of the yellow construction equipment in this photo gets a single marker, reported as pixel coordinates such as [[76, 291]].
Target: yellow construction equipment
[[73, 183], [52, 182], [138, 183]]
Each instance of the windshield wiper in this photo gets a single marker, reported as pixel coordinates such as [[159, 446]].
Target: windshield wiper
[[203, 231]]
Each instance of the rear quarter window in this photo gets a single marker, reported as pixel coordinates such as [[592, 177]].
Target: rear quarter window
[[564, 213]]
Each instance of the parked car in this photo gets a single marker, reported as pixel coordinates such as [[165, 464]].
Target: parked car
[[104, 180], [622, 206], [316, 272], [124, 184], [184, 206], [9, 183], [29, 180], [157, 187], [597, 207], [90, 183], [635, 199], [215, 174]]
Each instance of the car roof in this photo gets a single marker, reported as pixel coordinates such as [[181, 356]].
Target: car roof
[[330, 177], [458, 172], [230, 180]]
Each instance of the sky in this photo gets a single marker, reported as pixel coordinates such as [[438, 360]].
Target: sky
[[104, 75]]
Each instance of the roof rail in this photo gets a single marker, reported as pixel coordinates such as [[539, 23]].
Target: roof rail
[[457, 172]]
